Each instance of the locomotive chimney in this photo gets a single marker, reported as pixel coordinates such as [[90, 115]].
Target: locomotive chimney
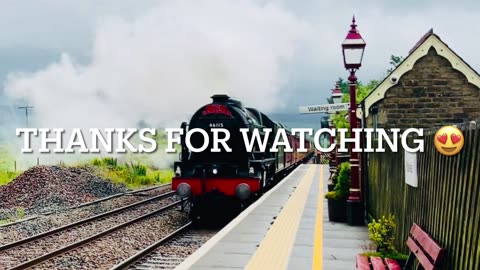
[[220, 98]]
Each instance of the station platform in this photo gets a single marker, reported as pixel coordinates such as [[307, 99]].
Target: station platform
[[287, 228]]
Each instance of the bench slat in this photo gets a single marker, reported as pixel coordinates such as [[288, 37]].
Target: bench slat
[[392, 264], [426, 242], [362, 262], [422, 246], [377, 263], [422, 258]]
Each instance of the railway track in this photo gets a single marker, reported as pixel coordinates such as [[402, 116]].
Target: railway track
[[39, 223], [128, 193], [169, 251], [36, 249]]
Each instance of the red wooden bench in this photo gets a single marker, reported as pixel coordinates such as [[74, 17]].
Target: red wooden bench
[[421, 246]]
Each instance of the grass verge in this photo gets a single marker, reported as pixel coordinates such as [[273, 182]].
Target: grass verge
[[132, 174]]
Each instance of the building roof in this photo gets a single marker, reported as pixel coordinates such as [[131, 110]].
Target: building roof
[[420, 49]]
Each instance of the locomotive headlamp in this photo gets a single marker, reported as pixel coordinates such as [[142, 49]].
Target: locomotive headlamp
[[243, 191], [251, 171], [178, 171], [214, 171], [184, 190]]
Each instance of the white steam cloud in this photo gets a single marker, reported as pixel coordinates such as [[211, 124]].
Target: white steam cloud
[[162, 66]]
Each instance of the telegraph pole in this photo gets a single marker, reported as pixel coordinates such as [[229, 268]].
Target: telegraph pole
[[26, 108]]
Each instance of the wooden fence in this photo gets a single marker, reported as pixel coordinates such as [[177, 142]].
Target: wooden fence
[[446, 202]]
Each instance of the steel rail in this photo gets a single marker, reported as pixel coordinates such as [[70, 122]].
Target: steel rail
[[84, 241], [83, 221], [148, 188], [127, 193], [143, 253]]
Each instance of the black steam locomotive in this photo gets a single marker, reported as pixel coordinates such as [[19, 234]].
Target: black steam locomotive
[[216, 181]]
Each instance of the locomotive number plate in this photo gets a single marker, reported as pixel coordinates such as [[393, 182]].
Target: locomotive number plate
[[215, 125]]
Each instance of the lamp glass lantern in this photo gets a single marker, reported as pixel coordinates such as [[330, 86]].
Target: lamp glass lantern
[[353, 47], [337, 94], [337, 97]]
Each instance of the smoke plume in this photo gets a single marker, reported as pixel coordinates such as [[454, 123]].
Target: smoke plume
[[161, 66]]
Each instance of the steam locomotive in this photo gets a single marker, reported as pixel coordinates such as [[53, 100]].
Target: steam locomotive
[[222, 183]]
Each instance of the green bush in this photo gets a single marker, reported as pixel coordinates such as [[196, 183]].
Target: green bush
[[97, 162], [138, 169], [133, 173], [109, 162], [145, 180], [381, 232], [332, 195], [342, 187]]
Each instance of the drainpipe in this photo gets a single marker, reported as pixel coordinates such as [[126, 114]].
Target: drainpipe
[[374, 111], [364, 163]]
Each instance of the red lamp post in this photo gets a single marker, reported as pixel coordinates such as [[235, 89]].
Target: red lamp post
[[353, 47]]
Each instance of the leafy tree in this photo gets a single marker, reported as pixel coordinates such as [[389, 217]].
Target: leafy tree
[[344, 86], [362, 91], [395, 60]]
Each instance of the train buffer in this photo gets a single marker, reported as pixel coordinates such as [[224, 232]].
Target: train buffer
[[287, 228]]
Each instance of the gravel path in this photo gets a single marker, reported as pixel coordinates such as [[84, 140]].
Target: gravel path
[[44, 223], [113, 248], [28, 251]]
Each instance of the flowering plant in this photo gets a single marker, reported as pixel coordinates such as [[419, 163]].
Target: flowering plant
[[381, 233]]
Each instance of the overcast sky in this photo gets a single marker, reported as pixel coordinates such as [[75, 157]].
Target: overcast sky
[[34, 34]]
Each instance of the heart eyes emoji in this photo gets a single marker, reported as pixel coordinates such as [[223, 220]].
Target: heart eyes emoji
[[454, 137], [449, 140]]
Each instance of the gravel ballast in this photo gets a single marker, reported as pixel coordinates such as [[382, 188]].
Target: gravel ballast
[[44, 189], [44, 223], [116, 247], [28, 251]]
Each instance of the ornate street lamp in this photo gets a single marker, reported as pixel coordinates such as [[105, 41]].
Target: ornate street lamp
[[337, 97], [337, 94], [353, 47]]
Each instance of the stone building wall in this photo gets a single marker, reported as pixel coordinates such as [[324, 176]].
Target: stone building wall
[[433, 93]]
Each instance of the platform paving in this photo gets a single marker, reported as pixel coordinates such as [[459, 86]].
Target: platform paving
[[341, 242], [310, 242]]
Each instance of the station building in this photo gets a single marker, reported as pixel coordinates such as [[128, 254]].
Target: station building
[[431, 87]]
